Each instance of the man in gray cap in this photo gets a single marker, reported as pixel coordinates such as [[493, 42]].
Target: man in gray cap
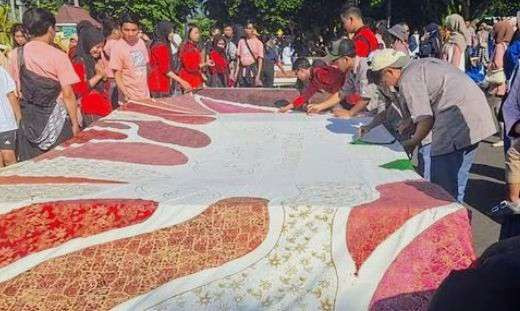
[[356, 91], [444, 101]]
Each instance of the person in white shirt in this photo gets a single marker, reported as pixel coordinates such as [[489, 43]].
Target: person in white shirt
[[9, 117]]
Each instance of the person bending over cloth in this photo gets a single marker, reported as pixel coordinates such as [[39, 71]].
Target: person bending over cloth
[[356, 91], [322, 78], [444, 101]]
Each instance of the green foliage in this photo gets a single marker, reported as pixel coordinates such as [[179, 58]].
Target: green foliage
[[5, 25], [51, 5], [150, 11], [204, 23]]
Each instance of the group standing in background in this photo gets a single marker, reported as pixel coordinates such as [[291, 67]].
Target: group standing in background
[[411, 82]]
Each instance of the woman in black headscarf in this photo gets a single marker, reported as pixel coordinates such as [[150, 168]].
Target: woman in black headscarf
[[431, 45], [162, 68], [92, 90]]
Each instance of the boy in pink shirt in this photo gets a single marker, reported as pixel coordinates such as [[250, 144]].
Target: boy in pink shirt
[[129, 61], [250, 59], [49, 110]]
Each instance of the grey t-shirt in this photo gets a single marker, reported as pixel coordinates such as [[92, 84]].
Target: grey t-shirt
[[462, 116], [357, 83]]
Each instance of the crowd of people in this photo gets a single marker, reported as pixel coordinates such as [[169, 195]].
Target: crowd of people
[[440, 93]]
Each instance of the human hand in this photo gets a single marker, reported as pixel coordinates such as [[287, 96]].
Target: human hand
[[185, 86], [314, 108], [409, 145], [342, 113], [258, 82], [75, 128], [362, 131], [286, 108], [210, 63]]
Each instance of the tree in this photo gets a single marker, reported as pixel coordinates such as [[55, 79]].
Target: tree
[[150, 11]]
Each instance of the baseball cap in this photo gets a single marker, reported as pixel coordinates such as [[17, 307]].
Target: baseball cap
[[340, 48], [387, 58]]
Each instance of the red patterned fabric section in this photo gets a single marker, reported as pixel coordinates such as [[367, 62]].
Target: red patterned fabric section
[[88, 135], [42, 226], [370, 224], [425, 263], [148, 154], [184, 103], [164, 133], [110, 124], [221, 107], [34, 180], [166, 114], [103, 276]]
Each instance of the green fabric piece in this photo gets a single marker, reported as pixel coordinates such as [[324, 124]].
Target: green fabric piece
[[401, 164]]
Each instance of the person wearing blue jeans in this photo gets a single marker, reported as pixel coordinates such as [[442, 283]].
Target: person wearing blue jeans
[[445, 103]]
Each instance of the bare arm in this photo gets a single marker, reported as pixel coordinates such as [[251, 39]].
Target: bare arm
[[118, 75], [424, 126], [260, 64], [70, 104], [330, 102], [184, 84], [15, 104]]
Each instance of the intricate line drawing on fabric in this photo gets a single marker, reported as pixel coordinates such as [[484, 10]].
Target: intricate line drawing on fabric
[[41, 226], [369, 224], [442, 247], [92, 134], [35, 180], [20, 193], [102, 276], [301, 276]]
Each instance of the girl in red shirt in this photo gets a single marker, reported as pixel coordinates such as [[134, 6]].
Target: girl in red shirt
[[220, 71], [191, 59], [161, 73], [92, 90]]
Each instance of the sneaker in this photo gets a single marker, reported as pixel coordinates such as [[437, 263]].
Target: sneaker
[[498, 144]]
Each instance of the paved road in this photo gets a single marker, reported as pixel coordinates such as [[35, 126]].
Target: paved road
[[485, 188]]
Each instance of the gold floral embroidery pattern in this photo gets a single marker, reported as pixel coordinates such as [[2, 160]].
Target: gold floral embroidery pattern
[[102, 276]]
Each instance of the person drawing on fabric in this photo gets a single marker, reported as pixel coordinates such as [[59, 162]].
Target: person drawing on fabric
[[129, 61], [319, 78], [219, 73], [46, 75], [356, 90], [92, 89], [190, 57], [161, 63], [250, 55], [10, 115], [457, 120]]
